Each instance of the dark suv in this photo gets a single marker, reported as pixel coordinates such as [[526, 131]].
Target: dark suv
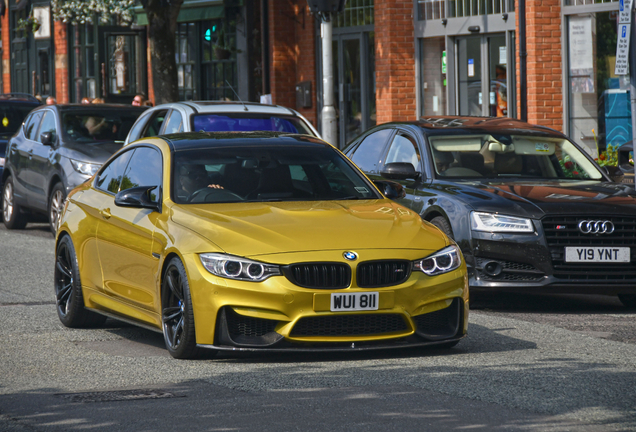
[[58, 148], [14, 107]]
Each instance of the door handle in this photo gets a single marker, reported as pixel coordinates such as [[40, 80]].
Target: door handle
[[105, 213]]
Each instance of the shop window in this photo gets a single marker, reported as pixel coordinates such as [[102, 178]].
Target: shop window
[[599, 100], [440, 9], [433, 85], [83, 63], [185, 49]]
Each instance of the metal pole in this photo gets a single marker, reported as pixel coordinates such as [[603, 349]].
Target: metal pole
[[329, 125], [523, 62]]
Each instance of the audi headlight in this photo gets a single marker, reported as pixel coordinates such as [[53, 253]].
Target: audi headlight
[[85, 168], [1, 162], [443, 261], [231, 267], [492, 222]]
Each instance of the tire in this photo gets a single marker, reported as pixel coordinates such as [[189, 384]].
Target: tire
[[176, 313], [68, 289], [441, 223], [11, 213], [56, 206], [628, 300]]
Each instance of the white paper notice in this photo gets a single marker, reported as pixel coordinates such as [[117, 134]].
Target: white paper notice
[[502, 55], [471, 67]]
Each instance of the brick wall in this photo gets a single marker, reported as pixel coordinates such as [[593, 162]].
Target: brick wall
[[62, 77], [544, 63], [292, 53], [6, 54], [395, 60]]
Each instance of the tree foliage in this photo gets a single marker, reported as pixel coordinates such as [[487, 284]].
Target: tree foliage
[[83, 11]]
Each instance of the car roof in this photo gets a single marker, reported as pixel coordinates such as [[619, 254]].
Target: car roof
[[19, 99], [91, 107], [452, 125], [196, 140], [233, 107]]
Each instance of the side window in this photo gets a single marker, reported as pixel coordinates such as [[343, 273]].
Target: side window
[[154, 126], [404, 149], [145, 169], [48, 125], [111, 177], [174, 123], [138, 128], [368, 154], [31, 128]]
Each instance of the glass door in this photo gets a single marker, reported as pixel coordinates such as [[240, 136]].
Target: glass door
[[469, 89]]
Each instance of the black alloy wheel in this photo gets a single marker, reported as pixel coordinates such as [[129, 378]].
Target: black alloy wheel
[[68, 289], [441, 223], [11, 214], [56, 206], [177, 315]]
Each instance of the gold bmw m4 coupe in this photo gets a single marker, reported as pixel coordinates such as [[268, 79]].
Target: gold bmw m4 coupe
[[255, 241]]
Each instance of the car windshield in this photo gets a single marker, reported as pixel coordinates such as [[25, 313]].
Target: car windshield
[[12, 116], [98, 125], [496, 156], [249, 123], [266, 173]]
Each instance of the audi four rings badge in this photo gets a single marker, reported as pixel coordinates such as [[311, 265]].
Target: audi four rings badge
[[596, 227]]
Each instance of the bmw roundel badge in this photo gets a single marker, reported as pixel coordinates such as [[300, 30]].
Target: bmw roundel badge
[[351, 256]]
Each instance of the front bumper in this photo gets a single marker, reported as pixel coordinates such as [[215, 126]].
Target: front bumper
[[277, 315], [536, 262]]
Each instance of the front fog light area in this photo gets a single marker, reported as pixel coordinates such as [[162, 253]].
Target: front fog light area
[[493, 222], [443, 261], [231, 267]]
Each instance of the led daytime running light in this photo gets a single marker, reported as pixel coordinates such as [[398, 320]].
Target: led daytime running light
[[493, 222], [443, 261], [232, 267]]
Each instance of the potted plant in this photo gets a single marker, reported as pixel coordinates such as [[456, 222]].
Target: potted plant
[[29, 23], [223, 48]]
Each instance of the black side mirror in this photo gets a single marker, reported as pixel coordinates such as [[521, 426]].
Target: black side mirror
[[390, 189], [138, 197], [399, 171], [614, 173], [47, 138]]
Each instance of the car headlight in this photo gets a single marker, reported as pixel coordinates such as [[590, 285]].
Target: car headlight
[[1, 162], [85, 168], [443, 261], [232, 267], [492, 222]]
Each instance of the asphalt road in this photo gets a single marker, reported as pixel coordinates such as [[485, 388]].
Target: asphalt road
[[530, 363]]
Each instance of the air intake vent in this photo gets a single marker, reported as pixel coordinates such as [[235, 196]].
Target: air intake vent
[[373, 274], [349, 325], [319, 275]]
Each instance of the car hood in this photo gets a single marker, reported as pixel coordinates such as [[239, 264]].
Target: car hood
[[252, 229], [535, 199], [90, 152]]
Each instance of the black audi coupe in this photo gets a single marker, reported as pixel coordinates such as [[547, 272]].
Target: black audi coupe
[[529, 208]]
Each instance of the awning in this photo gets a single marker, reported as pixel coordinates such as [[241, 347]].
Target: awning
[[192, 10]]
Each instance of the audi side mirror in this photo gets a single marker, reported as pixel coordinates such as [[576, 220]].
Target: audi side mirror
[[399, 171], [614, 173], [47, 138], [390, 189], [139, 197]]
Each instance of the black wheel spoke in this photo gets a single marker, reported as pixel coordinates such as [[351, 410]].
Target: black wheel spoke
[[170, 313], [64, 293], [64, 269], [173, 286], [178, 329]]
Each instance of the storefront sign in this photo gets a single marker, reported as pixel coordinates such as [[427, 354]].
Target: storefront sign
[[581, 54]]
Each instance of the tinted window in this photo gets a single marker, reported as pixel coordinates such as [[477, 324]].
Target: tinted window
[[31, 128], [92, 124], [144, 169], [111, 177], [404, 149], [137, 130], [368, 153], [174, 124], [266, 173], [48, 125], [249, 123], [12, 116], [154, 126]]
